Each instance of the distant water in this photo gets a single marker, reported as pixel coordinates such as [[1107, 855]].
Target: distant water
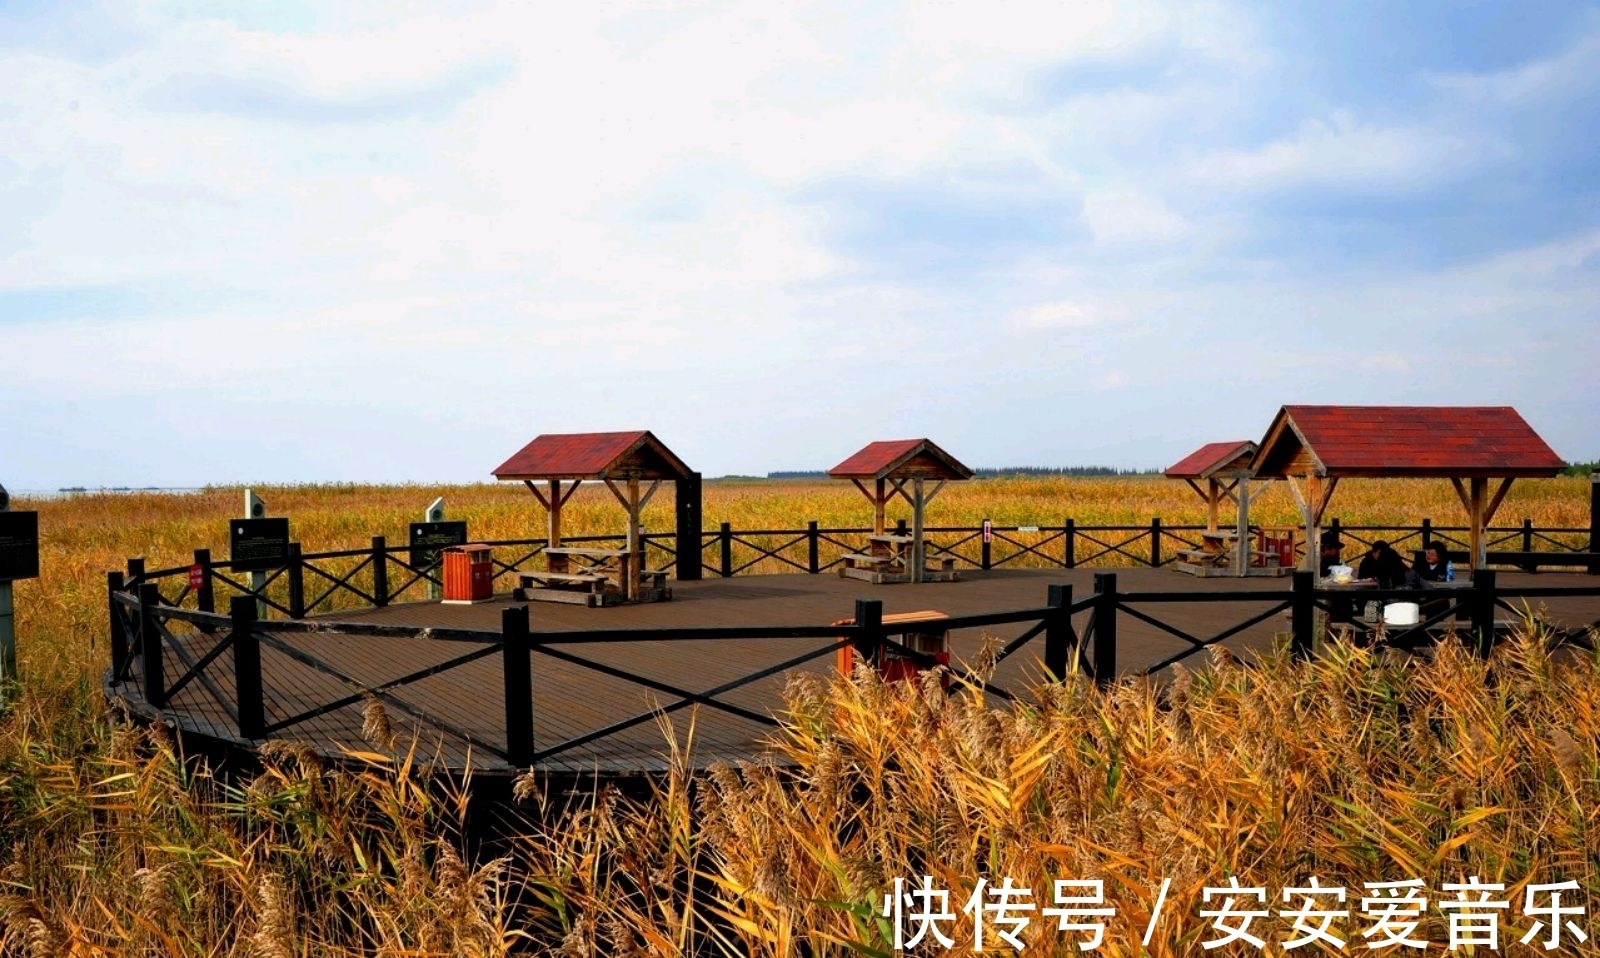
[[67, 491]]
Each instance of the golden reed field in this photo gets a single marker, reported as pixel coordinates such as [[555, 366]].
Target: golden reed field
[[1357, 768]]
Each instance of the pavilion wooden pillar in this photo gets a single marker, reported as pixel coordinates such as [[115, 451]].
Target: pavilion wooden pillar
[[1313, 502], [1481, 508], [917, 503], [880, 503], [1241, 564], [633, 562]]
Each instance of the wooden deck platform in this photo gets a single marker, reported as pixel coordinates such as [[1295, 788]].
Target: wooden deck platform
[[458, 715]]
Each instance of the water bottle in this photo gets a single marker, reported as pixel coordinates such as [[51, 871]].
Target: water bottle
[[1449, 571]]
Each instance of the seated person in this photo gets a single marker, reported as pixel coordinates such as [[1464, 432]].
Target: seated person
[[1383, 565], [1433, 565], [1340, 607], [1332, 554]]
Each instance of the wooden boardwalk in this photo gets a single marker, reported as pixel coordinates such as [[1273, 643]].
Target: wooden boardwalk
[[458, 716]]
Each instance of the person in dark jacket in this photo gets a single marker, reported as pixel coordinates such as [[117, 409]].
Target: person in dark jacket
[[1433, 565], [1332, 553], [1383, 565]]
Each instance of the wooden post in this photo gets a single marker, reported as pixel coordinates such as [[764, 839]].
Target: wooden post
[[1213, 501], [1483, 610], [1069, 544], [297, 582], [119, 635], [686, 492], [813, 566], [1594, 523], [1105, 629], [869, 631], [256, 508], [985, 547], [155, 682], [8, 639], [8, 621], [1427, 532], [434, 513], [916, 529], [136, 571], [1241, 529], [1303, 614], [1476, 500], [633, 562], [1058, 631], [726, 535], [247, 668], [553, 515], [880, 503], [517, 667], [1155, 542], [380, 573]]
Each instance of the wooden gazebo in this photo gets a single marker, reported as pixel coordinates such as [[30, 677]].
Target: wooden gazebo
[[1224, 467], [553, 466], [1313, 447], [891, 465]]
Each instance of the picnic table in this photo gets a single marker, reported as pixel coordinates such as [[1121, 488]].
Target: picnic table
[[890, 558], [590, 577]]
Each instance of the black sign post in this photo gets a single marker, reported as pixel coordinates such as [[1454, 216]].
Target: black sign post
[[258, 545], [428, 538]]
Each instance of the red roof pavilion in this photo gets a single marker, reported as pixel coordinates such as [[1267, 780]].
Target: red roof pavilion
[[1315, 446]]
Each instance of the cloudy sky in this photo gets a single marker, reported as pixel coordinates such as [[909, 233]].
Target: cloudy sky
[[344, 242]]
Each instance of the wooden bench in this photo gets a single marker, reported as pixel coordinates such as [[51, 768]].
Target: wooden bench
[[856, 560], [551, 579]]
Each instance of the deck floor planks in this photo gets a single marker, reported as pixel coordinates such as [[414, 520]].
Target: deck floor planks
[[570, 700]]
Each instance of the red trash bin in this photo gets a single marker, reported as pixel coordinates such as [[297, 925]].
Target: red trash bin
[[893, 665], [468, 573]]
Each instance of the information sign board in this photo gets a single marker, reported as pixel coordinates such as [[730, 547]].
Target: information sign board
[[427, 538], [257, 545], [19, 545]]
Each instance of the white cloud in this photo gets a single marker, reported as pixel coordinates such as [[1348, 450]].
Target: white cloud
[[1064, 315], [1343, 153], [1127, 216], [1573, 71]]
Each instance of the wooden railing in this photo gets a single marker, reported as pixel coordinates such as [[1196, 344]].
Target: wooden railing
[[145, 625], [307, 584]]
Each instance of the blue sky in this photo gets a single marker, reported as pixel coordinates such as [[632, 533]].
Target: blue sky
[[384, 242]]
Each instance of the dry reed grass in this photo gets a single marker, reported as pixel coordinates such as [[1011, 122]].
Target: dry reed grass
[[1354, 768]]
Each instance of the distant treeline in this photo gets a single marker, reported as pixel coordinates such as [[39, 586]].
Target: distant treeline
[[1006, 473]]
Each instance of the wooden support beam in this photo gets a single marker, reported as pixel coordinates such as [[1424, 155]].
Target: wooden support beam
[[1241, 565], [917, 502], [879, 502], [1213, 494], [1494, 502], [1478, 496], [1309, 518]]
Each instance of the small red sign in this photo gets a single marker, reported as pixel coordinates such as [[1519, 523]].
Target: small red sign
[[197, 576], [988, 531]]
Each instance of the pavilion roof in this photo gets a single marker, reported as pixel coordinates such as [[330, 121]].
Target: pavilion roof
[[1395, 441], [593, 455], [1215, 458], [901, 459]]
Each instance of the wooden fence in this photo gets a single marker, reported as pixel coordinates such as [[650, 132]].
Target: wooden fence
[[1076, 634]]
